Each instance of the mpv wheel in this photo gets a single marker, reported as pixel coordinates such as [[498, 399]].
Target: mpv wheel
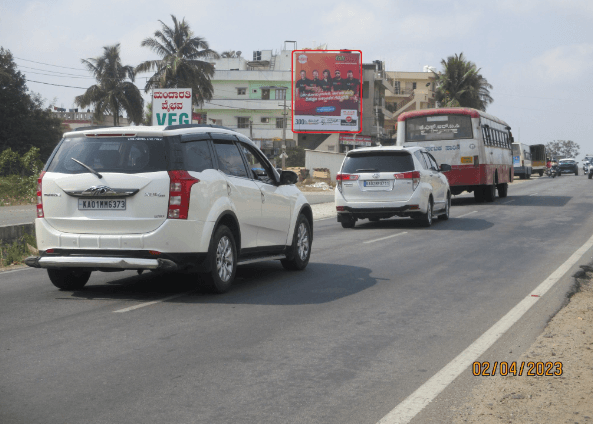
[[223, 257], [348, 224], [68, 279], [300, 251], [426, 219], [445, 215]]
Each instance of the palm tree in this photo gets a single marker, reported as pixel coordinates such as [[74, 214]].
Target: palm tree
[[183, 62], [460, 84], [112, 93]]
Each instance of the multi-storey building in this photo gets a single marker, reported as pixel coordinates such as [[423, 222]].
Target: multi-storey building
[[252, 97]]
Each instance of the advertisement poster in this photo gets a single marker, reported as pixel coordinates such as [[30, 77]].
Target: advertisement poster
[[171, 106], [327, 91]]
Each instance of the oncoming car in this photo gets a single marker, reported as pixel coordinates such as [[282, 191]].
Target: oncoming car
[[173, 198], [568, 166], [381, 182]]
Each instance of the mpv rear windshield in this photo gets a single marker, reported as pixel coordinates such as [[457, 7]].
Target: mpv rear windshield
[[128, 155], [378, 162]]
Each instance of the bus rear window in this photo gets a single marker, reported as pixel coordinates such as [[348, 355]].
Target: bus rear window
[[378, 162], [438, 127]]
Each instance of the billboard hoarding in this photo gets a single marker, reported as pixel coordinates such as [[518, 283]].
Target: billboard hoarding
[[326, 91], [171, 106], [358, 140]]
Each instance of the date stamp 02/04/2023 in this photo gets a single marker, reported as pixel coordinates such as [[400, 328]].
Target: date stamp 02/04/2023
[[531, 368]]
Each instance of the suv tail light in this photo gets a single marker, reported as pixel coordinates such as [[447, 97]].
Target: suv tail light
[[179, 192], [411, 175], [345, 177], [39, 196]]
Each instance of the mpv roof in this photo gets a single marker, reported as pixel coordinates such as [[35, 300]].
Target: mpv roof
[[155, 130], [386, 149]]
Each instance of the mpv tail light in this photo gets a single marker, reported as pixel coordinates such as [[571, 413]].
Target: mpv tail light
[[39, 196], [412, 175], [345, 177], [179, 193]]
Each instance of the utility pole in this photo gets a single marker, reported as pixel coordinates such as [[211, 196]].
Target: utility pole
[[284, 132]]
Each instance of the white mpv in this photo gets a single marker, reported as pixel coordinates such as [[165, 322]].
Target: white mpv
[[381, 182], [172, 198]]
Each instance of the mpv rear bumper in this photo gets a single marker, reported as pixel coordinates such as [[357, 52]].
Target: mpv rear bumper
[[99, 263]]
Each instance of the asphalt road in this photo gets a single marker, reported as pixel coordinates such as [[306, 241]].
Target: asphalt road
[[345, 341]]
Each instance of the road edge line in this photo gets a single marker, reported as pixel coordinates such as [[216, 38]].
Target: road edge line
[[406, 410]]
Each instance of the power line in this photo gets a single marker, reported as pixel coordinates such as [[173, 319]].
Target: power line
[[57, 85], [49, 64]]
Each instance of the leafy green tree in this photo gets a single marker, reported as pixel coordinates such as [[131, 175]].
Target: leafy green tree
[[24, 122], [147, 120], [296, 156], [460, 84], [113, 93], [184, 61], [565, 148]]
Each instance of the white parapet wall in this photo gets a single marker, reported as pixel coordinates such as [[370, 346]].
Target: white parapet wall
[[319, 159]]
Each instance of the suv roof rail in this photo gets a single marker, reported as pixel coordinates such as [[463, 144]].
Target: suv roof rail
[[97, 127], [181, 126]]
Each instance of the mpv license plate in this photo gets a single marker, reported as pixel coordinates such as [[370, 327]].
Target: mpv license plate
[[101, 204], [376, 183]]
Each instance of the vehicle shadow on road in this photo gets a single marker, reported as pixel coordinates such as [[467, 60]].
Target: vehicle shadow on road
[[452, 224], [264, 283], [535, 200]]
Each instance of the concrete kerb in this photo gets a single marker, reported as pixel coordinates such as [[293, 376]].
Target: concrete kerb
[[10, 233]]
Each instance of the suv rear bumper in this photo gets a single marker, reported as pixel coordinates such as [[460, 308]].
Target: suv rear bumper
[[98, 263]]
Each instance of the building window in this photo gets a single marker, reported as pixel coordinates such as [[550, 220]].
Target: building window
[[242, 122], [280, 94], [396, 86], [265, 94], [265, 120], [279, 122], [413, 86], [241, 91]]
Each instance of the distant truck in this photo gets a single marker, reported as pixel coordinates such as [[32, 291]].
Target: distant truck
[[538, 158]]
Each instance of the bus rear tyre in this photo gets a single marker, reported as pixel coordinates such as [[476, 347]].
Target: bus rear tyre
[[489, 193], [479, 194], [503, 190]]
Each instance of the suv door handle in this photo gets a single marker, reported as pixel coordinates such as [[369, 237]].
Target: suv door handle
[[263, 198], [228, 189]]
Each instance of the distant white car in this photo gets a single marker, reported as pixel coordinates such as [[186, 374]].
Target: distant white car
[[382, 182], [153, 198]]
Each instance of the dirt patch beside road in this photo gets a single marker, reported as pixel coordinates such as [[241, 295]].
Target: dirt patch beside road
[[567, 398]]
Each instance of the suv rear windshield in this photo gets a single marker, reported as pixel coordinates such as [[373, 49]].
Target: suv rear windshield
[[378, 162], [128, 155], [438, 127]]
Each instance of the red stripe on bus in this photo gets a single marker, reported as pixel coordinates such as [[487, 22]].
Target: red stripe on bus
[[464, 175]]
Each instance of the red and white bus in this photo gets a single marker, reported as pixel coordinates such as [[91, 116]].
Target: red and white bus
[[476, 145]]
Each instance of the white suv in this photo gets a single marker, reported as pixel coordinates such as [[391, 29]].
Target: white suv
[[381, 182], [172, 198]]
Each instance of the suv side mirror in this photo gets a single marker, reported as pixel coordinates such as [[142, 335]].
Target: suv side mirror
[[288, 177], [445, 167]]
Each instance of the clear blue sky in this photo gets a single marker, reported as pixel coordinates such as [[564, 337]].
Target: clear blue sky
[[536, 54]]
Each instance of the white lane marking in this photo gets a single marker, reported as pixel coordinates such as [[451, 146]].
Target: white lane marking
[[15, 270], [413, 404], [506, 203], [142, 305], [384, 238], [466, 214], [533, 194]]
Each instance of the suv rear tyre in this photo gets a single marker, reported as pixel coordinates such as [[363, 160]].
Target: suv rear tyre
[[426, 218], [348, 224], [223, 260], [68, 279], [300, 251]]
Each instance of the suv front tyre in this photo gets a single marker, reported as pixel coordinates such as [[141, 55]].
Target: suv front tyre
[[300, 250], [68, 279], [223, 260]]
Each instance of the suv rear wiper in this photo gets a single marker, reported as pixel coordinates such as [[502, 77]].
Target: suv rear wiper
[[366, 170], [87, 167]]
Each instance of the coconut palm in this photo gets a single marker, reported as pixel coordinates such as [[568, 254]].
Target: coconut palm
[[461, 84], [113, 93], [184, 61]]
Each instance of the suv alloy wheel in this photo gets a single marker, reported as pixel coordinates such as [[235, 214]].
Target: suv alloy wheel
[[301, 246], [223, 260]]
